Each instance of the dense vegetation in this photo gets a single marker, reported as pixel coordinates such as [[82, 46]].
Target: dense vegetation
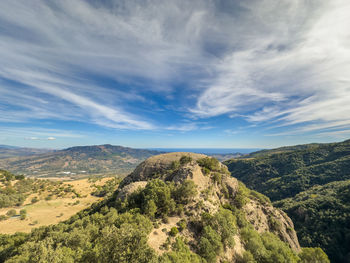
[[116, 230], [284, 174], [107, 189], [299, 179], [322, 216]]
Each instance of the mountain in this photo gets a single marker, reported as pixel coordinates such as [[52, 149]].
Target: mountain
[[7, 151], [322, 216], [78, 161], [287, 173], [175, 207]]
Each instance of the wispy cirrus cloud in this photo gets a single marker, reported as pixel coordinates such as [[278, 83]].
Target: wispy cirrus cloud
[[292, 66], [284, 63]]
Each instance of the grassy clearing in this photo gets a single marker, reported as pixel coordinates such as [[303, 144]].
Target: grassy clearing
[[46, 212]]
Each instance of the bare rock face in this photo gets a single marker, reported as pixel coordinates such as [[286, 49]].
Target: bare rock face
[[159, 166], [215, 189], [266, 218]]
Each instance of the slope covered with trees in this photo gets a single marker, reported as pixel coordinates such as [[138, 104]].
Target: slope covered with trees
[[300, 180], [189, 202], [322, 216]]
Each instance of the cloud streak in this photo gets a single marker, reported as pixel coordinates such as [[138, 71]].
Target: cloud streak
[[294, 71], [284, 63]]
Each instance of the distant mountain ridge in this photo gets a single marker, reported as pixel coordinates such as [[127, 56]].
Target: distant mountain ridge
[[78, 161], [7, 151]]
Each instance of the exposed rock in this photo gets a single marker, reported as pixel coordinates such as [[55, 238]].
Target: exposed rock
[[215, 189]]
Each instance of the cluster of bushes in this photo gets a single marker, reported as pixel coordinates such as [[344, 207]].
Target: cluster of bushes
[[16, 188], [107, 189], [12, 213], [209, 164], [160, 199]]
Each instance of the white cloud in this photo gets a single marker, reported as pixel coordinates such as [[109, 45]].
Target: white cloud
[[284, 62], [295, 68]]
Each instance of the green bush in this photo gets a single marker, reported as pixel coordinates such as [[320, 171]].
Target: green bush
[[23, 214], [210, 245], [185, 159], [313, 255], [173, 231], [34, 200], [11, 212]]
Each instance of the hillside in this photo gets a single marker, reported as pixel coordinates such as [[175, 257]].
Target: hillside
[[322, 216], [175, 207], [78, 162], [12, 151], [284, 175]]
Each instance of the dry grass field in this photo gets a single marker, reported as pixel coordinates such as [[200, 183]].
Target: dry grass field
[[46, 212]]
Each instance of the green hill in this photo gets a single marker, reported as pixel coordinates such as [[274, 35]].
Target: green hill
[[289, 171], [284, 174], [175, 207]]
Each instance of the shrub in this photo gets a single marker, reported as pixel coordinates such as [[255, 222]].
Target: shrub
[[185, 159], [210, 163], [23, 214], [185, 192], [34, 200], [175, 165], [11, 212], [173, 231], [210, 244], [182, 225], [217, 177]]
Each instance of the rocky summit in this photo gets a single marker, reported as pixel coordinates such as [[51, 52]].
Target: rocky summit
[[217, 195]]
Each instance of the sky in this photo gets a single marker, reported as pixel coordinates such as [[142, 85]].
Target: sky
[[211, 74]]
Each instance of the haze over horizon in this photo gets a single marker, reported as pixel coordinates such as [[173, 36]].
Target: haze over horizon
[[174, 74]]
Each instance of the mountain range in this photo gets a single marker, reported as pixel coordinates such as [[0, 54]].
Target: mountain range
[[76, 162]]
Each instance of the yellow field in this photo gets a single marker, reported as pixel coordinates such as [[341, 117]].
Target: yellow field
[[52, 211]]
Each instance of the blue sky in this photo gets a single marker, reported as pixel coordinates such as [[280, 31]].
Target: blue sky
[[235, 74]]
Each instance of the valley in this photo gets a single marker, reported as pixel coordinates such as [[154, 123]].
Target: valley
[[78, 162]]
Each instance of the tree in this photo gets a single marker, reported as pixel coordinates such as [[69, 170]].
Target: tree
[[23, 214], [150, 209], [313, 255]]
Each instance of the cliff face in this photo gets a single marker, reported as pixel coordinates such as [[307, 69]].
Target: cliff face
[[215, 189]]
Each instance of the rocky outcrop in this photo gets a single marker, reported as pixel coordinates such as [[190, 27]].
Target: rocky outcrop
[[215, 189]]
